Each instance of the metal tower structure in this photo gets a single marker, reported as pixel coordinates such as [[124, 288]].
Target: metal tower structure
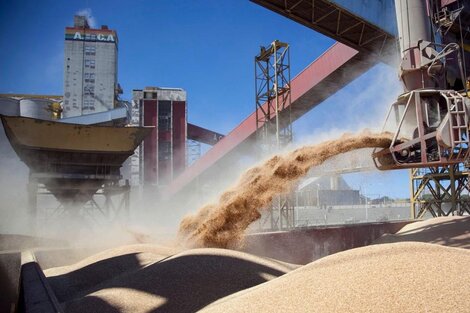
[[273, 119], [273, 96], [444, 190], [439, 191]]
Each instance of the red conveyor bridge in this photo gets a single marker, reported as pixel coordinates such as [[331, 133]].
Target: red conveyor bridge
[[360, 46]]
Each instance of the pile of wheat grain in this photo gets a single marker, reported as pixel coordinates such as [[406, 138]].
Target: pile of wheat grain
[[76, 280], [129, 280], [398, 277], [390, 277], [451, 231]]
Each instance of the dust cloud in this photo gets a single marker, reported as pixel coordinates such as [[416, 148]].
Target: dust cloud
[[222, 224], [13, 184]]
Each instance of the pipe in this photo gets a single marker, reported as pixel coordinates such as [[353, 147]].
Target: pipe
[[413, 23]]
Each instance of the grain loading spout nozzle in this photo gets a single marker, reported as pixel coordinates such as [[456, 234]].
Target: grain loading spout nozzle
[[430, 119]]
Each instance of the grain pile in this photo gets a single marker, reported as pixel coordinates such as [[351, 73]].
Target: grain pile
[[452, 231], [184, 282], [222, 224], [74, 281], [398, 277], [391, 277]]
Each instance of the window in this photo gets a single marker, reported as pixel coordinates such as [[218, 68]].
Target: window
[[90, 50], [164, 123], [89, 90], [164, 150], [89, 104], [150, 95], [89, 78], [90, 63], [164, 107], [164, 115]]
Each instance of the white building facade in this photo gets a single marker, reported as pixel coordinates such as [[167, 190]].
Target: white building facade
[[90, 69]]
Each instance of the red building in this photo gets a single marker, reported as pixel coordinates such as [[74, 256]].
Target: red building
[[163, 155]]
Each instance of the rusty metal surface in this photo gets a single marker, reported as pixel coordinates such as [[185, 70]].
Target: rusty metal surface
[[306, 245]]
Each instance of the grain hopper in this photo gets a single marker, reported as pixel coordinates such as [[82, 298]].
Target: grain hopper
[[71, 161]]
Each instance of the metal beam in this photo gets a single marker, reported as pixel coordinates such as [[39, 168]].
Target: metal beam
[[203, 135], [439, 191]]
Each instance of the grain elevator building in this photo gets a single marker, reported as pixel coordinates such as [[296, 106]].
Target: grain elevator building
[[90, 69]]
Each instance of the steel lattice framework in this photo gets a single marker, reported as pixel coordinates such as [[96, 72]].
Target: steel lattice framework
[[273, 95], [110, 202], [274, 131], [338, 23], [440, 191]]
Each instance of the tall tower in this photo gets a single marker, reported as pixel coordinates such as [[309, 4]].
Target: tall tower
[[273, 118], [90, 68], [164, 151]]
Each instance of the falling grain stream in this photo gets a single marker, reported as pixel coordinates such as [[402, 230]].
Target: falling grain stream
[[222, 224]]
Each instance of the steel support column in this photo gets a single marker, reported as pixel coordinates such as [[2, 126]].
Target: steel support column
[[439, 191], [273, 95]]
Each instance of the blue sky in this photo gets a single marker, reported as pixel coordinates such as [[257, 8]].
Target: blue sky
[[204, 46]]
